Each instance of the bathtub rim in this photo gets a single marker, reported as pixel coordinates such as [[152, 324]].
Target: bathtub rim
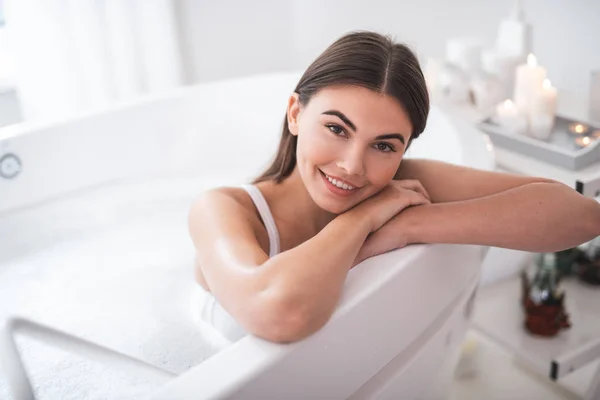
[[253, 356]]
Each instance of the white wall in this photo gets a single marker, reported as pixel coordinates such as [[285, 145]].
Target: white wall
[[236, 37], [227, 38]]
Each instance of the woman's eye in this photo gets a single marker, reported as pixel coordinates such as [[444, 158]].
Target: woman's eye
[[337, 130], [384, 147]]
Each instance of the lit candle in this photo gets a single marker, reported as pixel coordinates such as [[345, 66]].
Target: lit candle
[[528, 82], [578, 129], [509, 117], [507, 109], [544, 100], [542, 111], [540, 125], [583, 141]]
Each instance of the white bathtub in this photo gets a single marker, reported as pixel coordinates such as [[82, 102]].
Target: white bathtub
[[93, 242]]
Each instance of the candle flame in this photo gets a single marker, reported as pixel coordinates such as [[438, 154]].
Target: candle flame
[[579, 128], [531, 60], [546, 84], [583, 141]]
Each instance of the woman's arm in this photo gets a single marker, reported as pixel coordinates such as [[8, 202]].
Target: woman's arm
[[537, 217], [449, 182], [283, 298], [293, 294]]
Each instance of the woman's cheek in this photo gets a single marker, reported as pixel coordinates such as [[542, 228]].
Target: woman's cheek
[[317, 148], [382, 171]]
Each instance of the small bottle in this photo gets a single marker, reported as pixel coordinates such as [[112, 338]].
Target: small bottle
[[544, 287], [593, 250], [545, 314]]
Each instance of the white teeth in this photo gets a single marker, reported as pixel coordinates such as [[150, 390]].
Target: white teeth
[[341, 185]]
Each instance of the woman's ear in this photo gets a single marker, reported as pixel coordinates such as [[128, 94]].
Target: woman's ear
[[293, 110]]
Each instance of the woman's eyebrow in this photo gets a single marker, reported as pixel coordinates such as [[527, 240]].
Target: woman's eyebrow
[[347, 121], [391, 136], [341, 116]]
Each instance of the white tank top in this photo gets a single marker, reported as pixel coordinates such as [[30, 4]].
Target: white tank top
[[265, 214], [207, 311]]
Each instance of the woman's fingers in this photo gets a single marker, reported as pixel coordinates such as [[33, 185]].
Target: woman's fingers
[[417, 198], [415, 185]]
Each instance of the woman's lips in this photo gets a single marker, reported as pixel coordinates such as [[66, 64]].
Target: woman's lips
[[336, 190]]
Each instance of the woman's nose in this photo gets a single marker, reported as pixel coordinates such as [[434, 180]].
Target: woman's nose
[[352, 161]]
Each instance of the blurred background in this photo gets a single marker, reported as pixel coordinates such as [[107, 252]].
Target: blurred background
[[64, 58], [60, 57]]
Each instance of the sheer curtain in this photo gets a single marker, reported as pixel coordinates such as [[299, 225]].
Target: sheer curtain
[[76, 55]]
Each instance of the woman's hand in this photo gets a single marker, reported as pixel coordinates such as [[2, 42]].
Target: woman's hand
[[391, 200], [391, 234]]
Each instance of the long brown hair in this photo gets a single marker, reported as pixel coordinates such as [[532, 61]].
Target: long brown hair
[[365, 59]]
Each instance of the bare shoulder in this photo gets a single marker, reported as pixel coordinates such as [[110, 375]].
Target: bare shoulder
[[227, 204], [226, 212], [232, 196]]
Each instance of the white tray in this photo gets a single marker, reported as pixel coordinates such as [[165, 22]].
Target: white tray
[[560, 149]]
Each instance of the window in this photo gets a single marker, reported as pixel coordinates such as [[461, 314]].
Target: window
[[6, 62]]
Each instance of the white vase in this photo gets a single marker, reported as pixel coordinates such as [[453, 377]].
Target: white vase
[[453, 84], [487, 91]]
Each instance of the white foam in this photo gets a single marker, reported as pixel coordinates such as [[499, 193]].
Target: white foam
[[113, 265]]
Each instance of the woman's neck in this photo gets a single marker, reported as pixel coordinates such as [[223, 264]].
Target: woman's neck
[[292, 205]]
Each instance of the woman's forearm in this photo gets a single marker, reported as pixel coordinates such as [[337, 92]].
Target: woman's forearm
[[539, 217], [311, 276]]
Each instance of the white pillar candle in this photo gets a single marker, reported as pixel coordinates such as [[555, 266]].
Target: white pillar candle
[[509, 117], [540, 126], [544, 101], [528, 82], [506, 109], [542, 111]]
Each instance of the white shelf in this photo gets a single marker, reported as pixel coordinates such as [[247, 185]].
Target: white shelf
[[519, 163], [514, 162], [499, 315]]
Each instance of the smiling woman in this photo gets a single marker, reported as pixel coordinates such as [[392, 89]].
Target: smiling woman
[[355, 143], [112, 236], [352, 115], [275, 254]]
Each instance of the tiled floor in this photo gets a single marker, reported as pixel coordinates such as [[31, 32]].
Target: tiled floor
[[488, 372]]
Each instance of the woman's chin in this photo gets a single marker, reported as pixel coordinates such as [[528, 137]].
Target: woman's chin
[[334, 207]]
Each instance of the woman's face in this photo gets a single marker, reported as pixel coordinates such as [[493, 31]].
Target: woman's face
[[348, 136]]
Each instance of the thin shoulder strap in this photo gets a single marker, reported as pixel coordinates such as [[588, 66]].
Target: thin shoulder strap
[[267, 217]]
